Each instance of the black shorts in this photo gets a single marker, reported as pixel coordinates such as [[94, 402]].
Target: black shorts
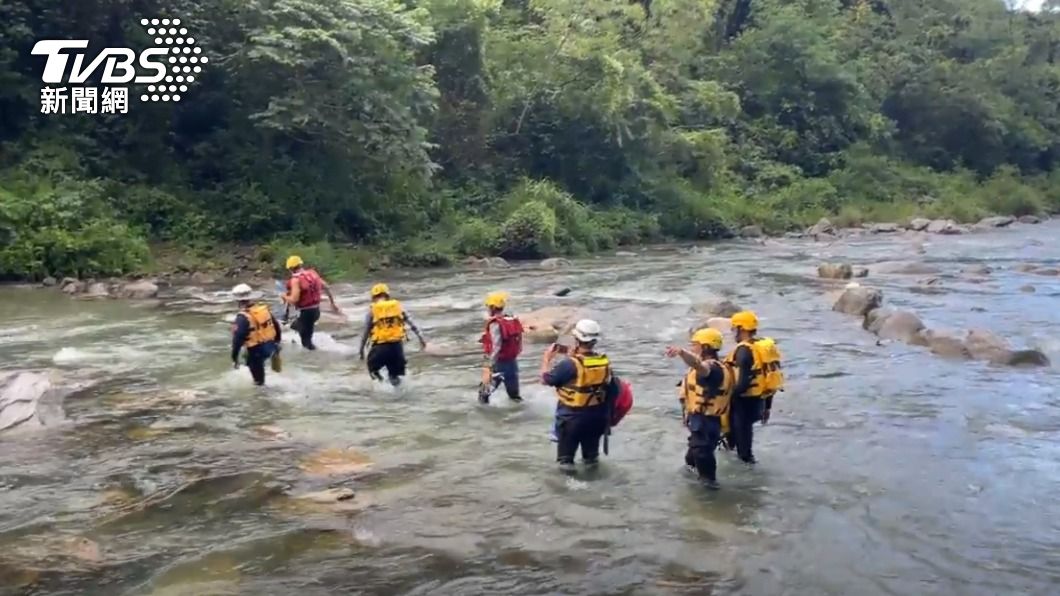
[[390, 356]]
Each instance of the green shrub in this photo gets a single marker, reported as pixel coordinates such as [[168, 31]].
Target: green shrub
[[529, 232], [476, 236], [687, 213], [65, 230], [1006, 194], [331, 261], [421, 252]]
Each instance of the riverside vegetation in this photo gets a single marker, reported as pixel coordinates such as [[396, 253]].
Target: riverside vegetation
[[422, 131]]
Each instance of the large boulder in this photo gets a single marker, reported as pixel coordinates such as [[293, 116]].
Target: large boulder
[[883, 228], [946, 345], [722, 324], [985, 345], [919, 224], [944, 226], [487, 263], [138, 290], [1049, 272], [1030, 219], [72, 286], [858, 301], [554, 263], [821, 227], [547, 324], [835, 271], [29, 400], [49, 282], [97, 290], [718, 308], [751, 232], [907, 269], [998, 221], [894, 324]]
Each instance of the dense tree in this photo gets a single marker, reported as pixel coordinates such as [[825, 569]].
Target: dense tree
[[526, 127]]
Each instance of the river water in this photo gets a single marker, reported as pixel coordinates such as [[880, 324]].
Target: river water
[[886, 470]]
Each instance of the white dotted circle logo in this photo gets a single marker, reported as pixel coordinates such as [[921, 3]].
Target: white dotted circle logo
[[181, 49]]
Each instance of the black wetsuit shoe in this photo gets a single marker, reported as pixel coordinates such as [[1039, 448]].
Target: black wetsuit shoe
[[711, 484], [516, 399], [749, 460]]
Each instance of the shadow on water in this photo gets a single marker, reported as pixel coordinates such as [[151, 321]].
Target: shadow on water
[[884, 470]]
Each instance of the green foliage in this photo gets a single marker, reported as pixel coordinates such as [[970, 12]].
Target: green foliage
[[63, 230], [529, 232], [477, 237], [330, 260]]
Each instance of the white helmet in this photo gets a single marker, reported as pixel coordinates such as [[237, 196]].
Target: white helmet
[[245, 292], [586, 331]]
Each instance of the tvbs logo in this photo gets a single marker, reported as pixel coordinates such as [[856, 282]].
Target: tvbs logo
[[164, 71]]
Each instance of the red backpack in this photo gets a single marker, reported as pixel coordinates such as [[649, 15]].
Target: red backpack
[[623, 403], [511, 337]]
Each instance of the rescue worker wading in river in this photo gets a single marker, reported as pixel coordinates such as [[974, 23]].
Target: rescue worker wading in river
[[748, 394], [502, 342], [704, 394], [303, 292], [256, 330], [385, 325], [586, 388]]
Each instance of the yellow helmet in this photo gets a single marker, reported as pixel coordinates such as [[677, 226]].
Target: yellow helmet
[[378, 289], [496, 299], [294, 261], [745, 320], [709, 337]]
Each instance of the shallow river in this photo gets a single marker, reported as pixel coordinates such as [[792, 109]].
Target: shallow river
[[886, 470]]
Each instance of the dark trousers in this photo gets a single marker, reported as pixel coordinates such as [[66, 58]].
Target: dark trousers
[[509, 370], [390, 356], [704, 432], [584, 430], [257, 357], [745, 412], [305, 324]]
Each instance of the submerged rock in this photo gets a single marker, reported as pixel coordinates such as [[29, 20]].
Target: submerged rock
[[562, 292], [329, 462], [1028, 289], [861, 272], [858, 301], [1030, 219], [835, 271], [1046, 272], [977, 270], [547, 324], [907, 269], [718, 308], [29, 400]]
